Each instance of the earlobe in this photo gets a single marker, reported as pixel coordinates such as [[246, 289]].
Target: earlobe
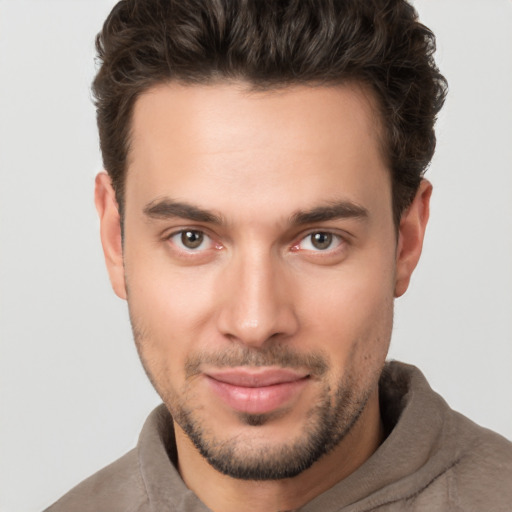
[[110, 232], [410, 237]]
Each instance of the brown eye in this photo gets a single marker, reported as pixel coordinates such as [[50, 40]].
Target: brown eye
[[321, 240], [192, 239]]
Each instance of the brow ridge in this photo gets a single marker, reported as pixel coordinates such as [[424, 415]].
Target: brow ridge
[[331, 211], [167, 208]]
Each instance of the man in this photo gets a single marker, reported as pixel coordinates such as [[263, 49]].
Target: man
[[263, 206]]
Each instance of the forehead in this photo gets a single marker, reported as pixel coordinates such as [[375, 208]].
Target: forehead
[[220, 142]]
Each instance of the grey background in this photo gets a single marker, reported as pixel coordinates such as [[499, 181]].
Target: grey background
[[72, 394]]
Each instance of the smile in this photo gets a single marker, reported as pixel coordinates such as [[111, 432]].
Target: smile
[[256, 392]]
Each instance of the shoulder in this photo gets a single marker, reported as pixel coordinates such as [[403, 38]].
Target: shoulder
[[452, 463], [117, 487], [478, 478], [482, 474]]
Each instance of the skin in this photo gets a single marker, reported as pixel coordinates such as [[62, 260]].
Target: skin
[[253, 160]]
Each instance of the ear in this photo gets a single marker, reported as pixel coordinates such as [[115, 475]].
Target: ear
[[411, 233], [110, 231]]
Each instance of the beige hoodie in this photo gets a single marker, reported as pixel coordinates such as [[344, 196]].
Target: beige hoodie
[[433, 460]]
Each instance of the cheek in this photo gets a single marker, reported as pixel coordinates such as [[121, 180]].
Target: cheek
[[163, 293], [351, 313], [169, 309]]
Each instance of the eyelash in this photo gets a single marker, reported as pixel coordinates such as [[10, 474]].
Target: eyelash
[[188, 250], [335, 239]]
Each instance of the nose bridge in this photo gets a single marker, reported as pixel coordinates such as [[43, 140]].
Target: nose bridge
[[256, 305]]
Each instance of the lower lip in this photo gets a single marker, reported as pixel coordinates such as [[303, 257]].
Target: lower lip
[[259, 400]]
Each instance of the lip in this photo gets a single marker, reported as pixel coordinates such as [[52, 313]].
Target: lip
[[257, 391]]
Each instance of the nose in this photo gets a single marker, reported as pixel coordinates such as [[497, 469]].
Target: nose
[[258, 301]]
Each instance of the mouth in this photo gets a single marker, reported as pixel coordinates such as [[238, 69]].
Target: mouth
[[256, 391]]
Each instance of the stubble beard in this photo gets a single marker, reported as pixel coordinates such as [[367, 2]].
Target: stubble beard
[[325, 427], [326, 424]]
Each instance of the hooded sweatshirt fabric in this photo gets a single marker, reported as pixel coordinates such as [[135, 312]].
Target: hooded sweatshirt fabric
[[433, 459]]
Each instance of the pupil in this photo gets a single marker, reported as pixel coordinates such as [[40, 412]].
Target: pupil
[[192, 239], [321, 240]]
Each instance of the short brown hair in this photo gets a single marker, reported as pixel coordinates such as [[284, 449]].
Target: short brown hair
[[269, 44]]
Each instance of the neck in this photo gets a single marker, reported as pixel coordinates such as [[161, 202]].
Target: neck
[[222, 493]]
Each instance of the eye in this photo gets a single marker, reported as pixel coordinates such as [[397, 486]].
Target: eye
[[319, 241], [191, 240]]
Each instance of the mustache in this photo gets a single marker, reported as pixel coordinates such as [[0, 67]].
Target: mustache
[[275, 355]]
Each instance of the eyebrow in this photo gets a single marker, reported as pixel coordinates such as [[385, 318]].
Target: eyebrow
[[167, 208], [332, 211]]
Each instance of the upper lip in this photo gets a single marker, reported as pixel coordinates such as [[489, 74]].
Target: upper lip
[[255, 378]]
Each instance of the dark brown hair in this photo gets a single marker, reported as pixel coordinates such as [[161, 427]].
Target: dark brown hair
[[270, 44]]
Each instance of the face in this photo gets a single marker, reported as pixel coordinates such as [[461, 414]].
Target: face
[[260, 266]]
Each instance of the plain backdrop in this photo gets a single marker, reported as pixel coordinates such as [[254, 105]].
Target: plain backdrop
[[73, 394]]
